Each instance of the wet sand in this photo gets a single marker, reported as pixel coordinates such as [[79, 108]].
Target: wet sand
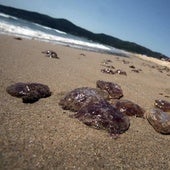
[[43, 136]]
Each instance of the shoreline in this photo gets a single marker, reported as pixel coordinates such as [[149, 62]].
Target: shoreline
[[126, 53], [43, 136], [154, 60]]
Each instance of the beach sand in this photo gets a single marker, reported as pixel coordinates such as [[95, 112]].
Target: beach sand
[[43, 136]]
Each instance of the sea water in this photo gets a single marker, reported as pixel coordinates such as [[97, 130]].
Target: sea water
[[11, 25]]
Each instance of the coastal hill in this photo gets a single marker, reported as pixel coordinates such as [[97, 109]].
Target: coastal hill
[[69, 27]]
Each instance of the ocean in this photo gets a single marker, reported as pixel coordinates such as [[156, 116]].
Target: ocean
[[11, 25]]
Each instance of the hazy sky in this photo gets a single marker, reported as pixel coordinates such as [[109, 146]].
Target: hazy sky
[[146, 22]]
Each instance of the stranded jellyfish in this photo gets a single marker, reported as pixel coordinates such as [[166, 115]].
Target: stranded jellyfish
[[159, 120], [163, 105], [76, 98], [113, 89], [29, 92], [129, 108], [102, 115], [51, 54]]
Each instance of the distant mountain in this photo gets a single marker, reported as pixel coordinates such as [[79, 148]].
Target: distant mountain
[[69, 27]]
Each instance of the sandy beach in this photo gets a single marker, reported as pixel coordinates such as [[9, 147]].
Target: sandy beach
[[43, 136]]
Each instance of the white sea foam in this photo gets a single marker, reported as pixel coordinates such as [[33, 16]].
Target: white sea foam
[[7, 16], [26, 29], [27, 32], [48, 28]]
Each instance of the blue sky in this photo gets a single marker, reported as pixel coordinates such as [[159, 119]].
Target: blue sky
[[146, 22]]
